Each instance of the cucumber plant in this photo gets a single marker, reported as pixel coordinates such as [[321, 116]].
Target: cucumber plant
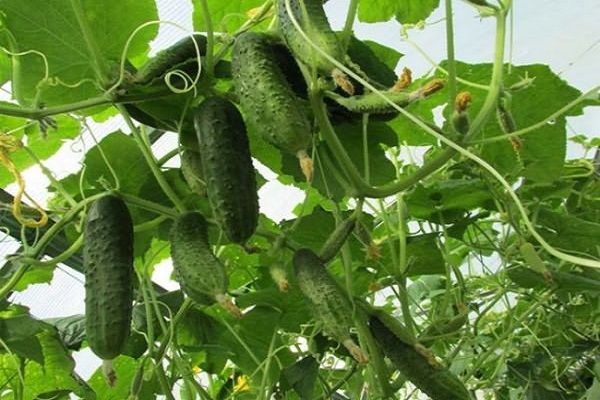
[[438, 212]]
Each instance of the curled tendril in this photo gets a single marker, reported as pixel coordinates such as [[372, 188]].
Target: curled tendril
[[190, 84], [8, 145]]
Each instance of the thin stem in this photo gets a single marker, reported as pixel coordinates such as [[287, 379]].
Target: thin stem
[[38, 113], [451, 57], [151, 161], [350, 17], [541, 124], [493, 348], [74, 248], [148, 205], [164, 159], [210, 39]]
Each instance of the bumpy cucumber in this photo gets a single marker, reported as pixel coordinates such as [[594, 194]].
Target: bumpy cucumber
[[108, 263], [414, 362], [269, 104], [313, 21], [331, 307], [181, 55], [372, 103], [227, 167], [336, 240], [191, 168], [200, 273]]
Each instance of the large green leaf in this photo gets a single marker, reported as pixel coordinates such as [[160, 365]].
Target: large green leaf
[[226, 16], [18, 331], [75, 44], [406, 11], [55, 375], [570, 233], [542, 155], [125, 368]]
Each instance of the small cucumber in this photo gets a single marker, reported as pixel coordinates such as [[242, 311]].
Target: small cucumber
[[108, 263], [329, 304], [372, 103], [182, 56], [336, 240], [199, 271], [227, 167], [311, 17], [191, 168]]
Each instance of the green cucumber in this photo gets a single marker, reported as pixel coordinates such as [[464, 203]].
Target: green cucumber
[[373, 103], [311, 17], [329, 303], [227, 167], [560, 281], [267, 100], [108, 263], [201, 274], [414, 362], [191, 168], [336, 240], [181, 56]]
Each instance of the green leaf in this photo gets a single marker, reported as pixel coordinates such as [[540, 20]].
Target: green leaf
[[451, 198], [257, 330], [302, 376], [377, 10], [423, 255], [42, 145], [569, 233], [378, 62], [406, 11], [125, 368], [71, 330], [381, 169], [56, 373], [63, 42], [226, 16], [126, 159], [541, 158], [18, 331], [413, 11], [294, 311]]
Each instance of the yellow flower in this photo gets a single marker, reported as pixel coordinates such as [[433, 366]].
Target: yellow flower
[[242, 384]]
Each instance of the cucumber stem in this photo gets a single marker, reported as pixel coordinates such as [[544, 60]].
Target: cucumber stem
[[109, 373], [227, 303]]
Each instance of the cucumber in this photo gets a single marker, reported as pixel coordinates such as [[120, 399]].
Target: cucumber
[[182, 56], [336, 240], [312, 19], [329, 303], [191, 168], [108, 263], [269, 104], [558, 280], [372, 103], [415, 364], [227, 167], [198, 270]]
